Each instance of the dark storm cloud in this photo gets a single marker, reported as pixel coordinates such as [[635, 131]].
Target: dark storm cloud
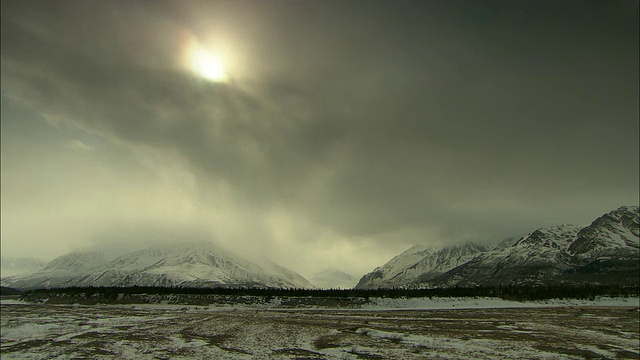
[[463, 119]]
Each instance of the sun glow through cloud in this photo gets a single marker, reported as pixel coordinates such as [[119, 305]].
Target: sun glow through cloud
[[201, 61], [208, 65]]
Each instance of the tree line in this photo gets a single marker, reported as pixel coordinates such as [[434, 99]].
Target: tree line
[[508, 292]]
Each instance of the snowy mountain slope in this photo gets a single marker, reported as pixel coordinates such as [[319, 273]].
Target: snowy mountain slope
[[506, 243], [10, 266], [379, 276], [604, 252], [419, 264], [535, 257], [75, 263], [611, 234], [609, 248], [291, 276], [61, 271], [198, 264], [333, 279]]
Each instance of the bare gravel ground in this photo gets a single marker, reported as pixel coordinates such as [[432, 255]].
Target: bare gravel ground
[[135, 332]]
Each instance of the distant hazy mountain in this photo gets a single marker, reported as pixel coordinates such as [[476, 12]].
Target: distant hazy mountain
[[607, 251], [333, 279], [200, 264], [419, 264], [60, 271], [75, 263], [15, 266], [288, 275], [506, 243]]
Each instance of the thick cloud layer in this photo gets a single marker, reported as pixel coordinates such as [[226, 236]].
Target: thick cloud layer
[[345, 133]]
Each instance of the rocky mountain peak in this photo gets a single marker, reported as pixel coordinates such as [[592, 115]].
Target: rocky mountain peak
[[606, 251], [558, 237], [419, 264], [617, 229]]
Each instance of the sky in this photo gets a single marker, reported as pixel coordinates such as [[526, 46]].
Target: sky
[[320, 134]]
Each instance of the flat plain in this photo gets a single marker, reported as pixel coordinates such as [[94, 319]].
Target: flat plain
[[146, 332]]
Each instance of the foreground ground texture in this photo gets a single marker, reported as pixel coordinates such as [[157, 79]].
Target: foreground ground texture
[[139, 332]]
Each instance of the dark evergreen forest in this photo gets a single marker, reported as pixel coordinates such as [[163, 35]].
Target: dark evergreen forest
[[519, 293]]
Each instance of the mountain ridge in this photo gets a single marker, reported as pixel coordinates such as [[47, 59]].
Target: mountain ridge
[[186, 264], [606, 251], [422, 262]]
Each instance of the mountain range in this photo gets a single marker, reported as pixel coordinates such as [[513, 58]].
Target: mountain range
[[606, 252], [198, 264], [419, 262]]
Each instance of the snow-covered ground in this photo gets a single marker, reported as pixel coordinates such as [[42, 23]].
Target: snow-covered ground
[[386, 304], [434, 328], [313, 303], [486, 302]]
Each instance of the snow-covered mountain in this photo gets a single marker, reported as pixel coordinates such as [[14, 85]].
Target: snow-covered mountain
[[418, 265], [58, 272], [11, 266], [536, 257], [606, 251], [198, 264], [506, 243], [286, 274], [614, 234], [333, 279], [75, 263]]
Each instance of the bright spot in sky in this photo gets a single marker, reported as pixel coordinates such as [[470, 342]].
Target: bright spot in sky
[[200, 60], [208, 65]]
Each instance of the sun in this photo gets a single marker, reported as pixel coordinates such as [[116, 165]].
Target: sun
[[208, 65], [201, 60]]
